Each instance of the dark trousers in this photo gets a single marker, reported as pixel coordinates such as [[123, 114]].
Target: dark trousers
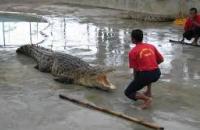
[[141, 79], [192, 33]]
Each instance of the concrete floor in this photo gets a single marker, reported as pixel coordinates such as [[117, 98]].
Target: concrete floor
[[29, 98]]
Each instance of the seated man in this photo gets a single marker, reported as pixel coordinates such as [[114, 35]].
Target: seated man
[[192, 26]]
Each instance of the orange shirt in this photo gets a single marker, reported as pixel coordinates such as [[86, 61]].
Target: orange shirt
[[189, 25], [144, 57]]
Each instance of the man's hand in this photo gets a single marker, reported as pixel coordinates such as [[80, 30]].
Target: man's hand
[[160, 61]]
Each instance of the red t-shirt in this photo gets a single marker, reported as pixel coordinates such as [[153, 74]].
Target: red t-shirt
[[189, 25], [144, 57]]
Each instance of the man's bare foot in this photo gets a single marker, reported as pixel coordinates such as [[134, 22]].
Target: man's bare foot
[[195, 41], [147, 94], [146, 104]]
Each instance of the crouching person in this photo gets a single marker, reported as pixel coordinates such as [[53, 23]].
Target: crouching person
[[192, 26], [144, 59]]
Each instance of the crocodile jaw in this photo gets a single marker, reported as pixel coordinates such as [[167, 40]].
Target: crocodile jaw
[[99, 81], [110, 87], [104, 83]]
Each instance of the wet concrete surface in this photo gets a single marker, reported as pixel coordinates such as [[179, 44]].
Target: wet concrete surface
[[29, 98]]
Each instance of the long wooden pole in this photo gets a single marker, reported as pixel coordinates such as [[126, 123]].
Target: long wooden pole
[[91, 106]]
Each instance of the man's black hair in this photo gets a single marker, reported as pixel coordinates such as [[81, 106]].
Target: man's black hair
[[193, 9], [137, 35]]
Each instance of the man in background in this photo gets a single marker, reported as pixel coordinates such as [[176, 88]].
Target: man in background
[[192, 26]]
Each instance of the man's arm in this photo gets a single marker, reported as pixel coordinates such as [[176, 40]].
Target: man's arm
[[159, 57], [187, 25], [196, 23], [132, 60], [160, 61]]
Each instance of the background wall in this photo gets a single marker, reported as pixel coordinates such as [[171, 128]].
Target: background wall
[[172, 7]]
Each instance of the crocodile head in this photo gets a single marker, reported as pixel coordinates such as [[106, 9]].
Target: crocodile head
[[97, 80]]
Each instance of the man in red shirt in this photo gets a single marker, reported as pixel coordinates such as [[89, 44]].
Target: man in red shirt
[[192, 26], [144, 59]]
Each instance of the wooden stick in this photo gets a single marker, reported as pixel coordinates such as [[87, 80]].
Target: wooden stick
[[183, 43], [121, 115]]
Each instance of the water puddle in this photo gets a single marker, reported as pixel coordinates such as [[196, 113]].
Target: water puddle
[[17, 29]]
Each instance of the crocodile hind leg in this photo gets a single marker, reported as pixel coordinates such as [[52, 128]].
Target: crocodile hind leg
[[43, 67], [36, 67]]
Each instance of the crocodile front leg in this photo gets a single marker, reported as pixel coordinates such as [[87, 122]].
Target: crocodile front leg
[[43, 67], [64, 80]]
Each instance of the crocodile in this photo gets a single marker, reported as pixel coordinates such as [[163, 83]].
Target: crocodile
[[67, 68], [147, 17]]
